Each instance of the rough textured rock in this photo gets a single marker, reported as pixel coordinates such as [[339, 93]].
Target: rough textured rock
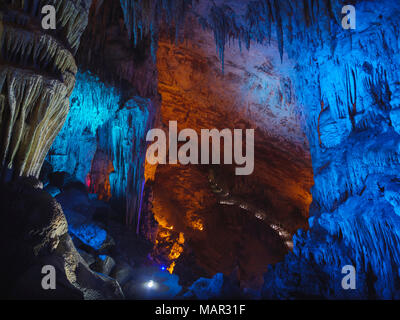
[[112, 107], [37, 76], [352, 89], [347, 87], [219, 287], [122, 273], [94, 286], [104, 265], [79, 211], [89, 258], [35, 234], [34, 213], [340, 86]]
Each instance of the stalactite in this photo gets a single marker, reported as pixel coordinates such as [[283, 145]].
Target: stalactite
[[100, 122], [355, 196], [378, 87], [92, 105], [279, 28], [351, 93], [291, 19], [144, 17], [37, 76]]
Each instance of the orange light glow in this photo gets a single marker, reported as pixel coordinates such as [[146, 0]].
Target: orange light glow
[[171, 267], [197, 225], [181, 239], [176, 251], [149, 171], [169, 243]]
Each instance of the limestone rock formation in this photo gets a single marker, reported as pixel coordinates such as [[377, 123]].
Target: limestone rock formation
[[37, 75], [346, 85], [35, 234], [114, 104], [316, 93]]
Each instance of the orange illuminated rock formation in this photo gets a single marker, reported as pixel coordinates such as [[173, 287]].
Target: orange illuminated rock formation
[[252, 93]]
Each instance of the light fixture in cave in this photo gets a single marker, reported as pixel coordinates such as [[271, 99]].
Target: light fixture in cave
[[151, 284]]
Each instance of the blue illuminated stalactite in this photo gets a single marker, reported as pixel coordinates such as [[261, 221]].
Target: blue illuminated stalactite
[[124, 140], [144, 17], [98, 121], [91, 105]]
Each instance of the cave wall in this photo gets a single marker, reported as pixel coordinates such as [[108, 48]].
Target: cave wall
[[347, 86], [346, 89], [92, 105], [347, 83], [251, 92], [37, 76], [113, 105], [108, 133]]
